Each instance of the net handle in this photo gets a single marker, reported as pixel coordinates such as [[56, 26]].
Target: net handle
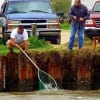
[[29, 58], [38, 69]]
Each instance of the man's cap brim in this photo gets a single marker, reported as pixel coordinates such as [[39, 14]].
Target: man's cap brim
[[20, 26]]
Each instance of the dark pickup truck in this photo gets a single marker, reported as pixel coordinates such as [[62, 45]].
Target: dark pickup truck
[[92, 26], [28, 13]]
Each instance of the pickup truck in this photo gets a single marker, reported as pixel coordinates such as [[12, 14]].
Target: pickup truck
[[92, 25], [29, 13]]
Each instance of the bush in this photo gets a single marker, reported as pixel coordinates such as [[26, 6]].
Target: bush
[[65, 26], [61, 5], [37, 43], [1, 41]]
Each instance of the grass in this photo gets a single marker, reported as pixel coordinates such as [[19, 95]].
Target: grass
[[50, 47], [35, 44], [38, 43], [42, 45], [3, 49], [65, 26]]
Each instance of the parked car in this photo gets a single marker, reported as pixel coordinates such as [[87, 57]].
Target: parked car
[[92, 26], [27, 13]]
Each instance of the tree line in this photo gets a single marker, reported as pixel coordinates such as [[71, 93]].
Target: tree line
[[61, 5]]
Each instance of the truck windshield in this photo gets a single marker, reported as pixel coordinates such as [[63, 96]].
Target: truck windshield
[[29, 6], [96, 7]]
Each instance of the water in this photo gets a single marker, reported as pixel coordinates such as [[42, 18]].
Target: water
[[52, 95]]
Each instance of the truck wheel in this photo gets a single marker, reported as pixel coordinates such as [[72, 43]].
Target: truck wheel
[[4, 37], [58, 40]]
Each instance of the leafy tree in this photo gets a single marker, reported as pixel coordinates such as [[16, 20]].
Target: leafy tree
[[61, 5]]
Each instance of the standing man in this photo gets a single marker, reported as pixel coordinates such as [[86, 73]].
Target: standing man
[[18, 39], [78, 14]]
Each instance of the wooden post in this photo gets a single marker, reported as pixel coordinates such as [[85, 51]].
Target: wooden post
[[84, 74], [34, 29], [55, 67], [56, 72], [12, 72], [1, 76], [2, 73], [94, 43], [27, 75]]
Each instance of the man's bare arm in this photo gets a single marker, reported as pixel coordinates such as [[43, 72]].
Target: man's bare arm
[[13, 43], [26, 44]]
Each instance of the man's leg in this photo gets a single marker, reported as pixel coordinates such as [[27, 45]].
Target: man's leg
[[80, 37], [9, 46], [72, 37], [22, 45]]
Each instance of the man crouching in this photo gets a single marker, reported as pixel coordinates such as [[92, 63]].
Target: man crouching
[[18, 39]]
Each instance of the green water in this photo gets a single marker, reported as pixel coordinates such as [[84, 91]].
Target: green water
[[52, 95]]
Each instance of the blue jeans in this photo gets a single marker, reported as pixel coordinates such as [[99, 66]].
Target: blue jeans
[[80, 31]]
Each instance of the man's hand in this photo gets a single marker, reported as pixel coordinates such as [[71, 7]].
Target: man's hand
[[26, 44], [75, 18], [17, 46], [81, 19], [26, 51]]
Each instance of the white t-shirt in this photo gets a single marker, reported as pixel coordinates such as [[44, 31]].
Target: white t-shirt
[[19, 37]]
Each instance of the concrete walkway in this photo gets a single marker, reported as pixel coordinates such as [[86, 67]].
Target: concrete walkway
[[65, 35]]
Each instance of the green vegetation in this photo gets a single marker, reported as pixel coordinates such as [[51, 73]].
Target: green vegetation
[[65, 26], [38, 43], [61, 5], [35, 43], [41, 45], [3, 49]]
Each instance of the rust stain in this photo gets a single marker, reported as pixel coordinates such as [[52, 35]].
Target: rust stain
[[84, 72]]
